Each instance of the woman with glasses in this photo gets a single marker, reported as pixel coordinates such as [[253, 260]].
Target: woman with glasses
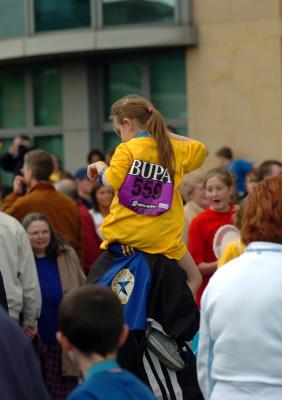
[[59, 272]]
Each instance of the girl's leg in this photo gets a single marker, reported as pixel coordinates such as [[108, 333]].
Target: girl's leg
[[194, 277]]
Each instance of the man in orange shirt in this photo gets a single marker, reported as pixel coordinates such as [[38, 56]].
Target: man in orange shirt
[[42, 197]]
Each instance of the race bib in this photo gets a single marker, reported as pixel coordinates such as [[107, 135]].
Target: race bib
[[147, 189]]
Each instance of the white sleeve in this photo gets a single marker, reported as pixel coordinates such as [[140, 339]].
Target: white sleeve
[[205, 352], [29, 280]]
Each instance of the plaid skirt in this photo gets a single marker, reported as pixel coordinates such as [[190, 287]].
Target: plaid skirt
[[51, 360]]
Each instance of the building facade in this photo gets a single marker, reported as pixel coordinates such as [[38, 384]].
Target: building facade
[[234, 77], [63, 63], [213, 68]]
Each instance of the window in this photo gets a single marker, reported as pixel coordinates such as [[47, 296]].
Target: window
[[47, 96], [111, 140], [61, 14], [12, 99], [168, 85], [121, 78], [12, 15], [6, 178], [31, 104], [121, 12], [53, 144], [159, 78]]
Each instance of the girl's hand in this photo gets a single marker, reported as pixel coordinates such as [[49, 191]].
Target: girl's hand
[[94, 170]]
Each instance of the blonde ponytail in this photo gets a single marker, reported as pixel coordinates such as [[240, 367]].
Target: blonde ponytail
[[156, 126], [136, 107]]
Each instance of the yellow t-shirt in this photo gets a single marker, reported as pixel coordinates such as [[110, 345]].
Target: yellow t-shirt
[[157, 234], [231, 251]]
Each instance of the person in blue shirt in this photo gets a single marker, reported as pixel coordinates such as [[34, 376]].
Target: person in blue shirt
[[240, 168], [91, 329]]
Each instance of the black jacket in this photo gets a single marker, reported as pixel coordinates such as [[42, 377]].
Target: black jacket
[[13, 164]]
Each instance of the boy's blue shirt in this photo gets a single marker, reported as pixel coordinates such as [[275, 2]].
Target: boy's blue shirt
[[240, 168], [106, 380]]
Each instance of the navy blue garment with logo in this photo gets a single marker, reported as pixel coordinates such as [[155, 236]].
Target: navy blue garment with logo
[[20, 373], [130, 279], [152, 287]]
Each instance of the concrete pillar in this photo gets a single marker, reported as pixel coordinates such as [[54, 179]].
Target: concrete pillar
[[76, 123]]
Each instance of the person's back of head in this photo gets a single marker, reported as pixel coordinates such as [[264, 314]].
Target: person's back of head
[[225, 152], [91, 318], [269, 168], [68, 187], [149, 119], [223, 156], [263, 212], [40, 163]]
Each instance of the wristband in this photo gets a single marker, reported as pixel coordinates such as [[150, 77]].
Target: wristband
[[100, 176]]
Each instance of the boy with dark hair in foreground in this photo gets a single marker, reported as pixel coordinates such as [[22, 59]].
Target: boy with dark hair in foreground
[[91, 329]]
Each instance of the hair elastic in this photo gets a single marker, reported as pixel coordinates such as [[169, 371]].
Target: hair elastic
[[150, 110]]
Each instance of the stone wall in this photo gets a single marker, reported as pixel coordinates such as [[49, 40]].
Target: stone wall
[[234, 77]]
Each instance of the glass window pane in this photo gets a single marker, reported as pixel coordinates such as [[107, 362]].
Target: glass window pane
[[61, 14], [53, 144], [120, 12], [168, 85], [12, 18], [111, 140], [121, 78], [47, 96], [182, 131], [6, 178], [12, 99]]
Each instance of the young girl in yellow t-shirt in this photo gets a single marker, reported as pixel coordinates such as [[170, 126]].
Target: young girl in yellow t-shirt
[[145, 173]]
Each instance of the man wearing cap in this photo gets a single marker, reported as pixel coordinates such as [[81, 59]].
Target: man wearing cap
[[84, 187]]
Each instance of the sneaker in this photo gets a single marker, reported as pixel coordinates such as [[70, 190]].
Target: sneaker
[[166, 349]]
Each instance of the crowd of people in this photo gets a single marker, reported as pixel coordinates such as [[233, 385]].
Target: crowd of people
[[106, 270]]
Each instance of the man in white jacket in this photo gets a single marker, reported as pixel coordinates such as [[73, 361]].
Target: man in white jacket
[[19, 273]]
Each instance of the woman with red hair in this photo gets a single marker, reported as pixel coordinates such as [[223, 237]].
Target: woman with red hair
[[240, 348]]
